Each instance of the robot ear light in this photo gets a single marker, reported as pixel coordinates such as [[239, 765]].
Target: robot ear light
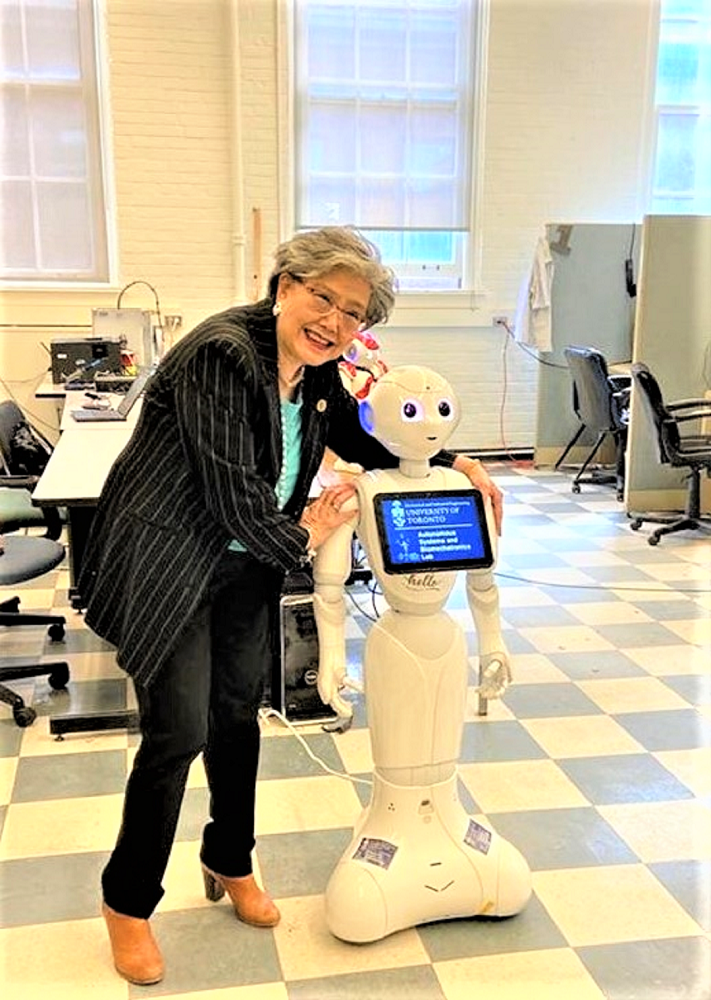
[[366, 416]]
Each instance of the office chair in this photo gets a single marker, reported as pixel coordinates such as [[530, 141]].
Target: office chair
[[24, 453], [601, 404], [688, 451]]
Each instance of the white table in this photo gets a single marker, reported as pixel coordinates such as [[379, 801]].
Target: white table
[[75, 475]]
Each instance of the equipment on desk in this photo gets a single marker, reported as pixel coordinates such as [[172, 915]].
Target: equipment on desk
[[92, 412], [135, 329], [72, 358]]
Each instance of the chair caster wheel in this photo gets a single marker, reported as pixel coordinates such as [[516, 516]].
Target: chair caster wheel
[[635, 525], [24, 716], [575, 488], [653, 540], [56, 632], [59, 677]]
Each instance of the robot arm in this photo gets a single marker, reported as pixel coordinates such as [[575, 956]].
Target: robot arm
[[483, 597], [332, 566]]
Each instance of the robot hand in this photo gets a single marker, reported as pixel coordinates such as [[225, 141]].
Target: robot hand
[[494, 675], [332, 676]]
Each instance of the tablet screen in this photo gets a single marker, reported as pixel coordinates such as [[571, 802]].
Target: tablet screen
[[433, 530]]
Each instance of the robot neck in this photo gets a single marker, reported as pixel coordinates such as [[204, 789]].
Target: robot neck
[[415, 468]]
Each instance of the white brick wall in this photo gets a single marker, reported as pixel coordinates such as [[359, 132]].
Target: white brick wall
[[565, 140]]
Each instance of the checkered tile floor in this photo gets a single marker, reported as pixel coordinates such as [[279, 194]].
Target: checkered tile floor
[[597, 765]]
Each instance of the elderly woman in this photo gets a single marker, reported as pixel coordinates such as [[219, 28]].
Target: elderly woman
[[202, 515]]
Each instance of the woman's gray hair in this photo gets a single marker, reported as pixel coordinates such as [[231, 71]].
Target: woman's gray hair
[[314, 253]]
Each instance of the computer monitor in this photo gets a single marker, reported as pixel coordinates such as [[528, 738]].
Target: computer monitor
[[432, 531]]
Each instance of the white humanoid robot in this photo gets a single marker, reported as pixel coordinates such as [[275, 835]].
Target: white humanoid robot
[[416, 856]]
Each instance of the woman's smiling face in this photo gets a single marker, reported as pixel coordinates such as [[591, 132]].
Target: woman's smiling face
[[318, 317]]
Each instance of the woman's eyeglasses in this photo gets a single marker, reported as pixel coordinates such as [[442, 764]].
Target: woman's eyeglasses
[[351, 319]]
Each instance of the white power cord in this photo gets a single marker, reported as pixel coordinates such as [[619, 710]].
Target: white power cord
[[266, 713]]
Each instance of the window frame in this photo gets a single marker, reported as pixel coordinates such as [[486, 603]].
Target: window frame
[[99, 180], [680, 109], [458, 302]]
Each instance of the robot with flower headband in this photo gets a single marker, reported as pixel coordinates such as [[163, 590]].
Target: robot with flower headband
[[415, 856]]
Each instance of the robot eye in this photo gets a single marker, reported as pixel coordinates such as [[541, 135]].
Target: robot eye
[[445, 409], [412, 410]]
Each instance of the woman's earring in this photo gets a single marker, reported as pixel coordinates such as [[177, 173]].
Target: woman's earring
[[276, 308]]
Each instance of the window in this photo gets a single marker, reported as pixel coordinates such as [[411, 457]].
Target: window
[[682, 180], [385, 96], [52, 210]]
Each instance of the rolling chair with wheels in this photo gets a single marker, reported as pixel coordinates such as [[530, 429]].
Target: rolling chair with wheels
[[684, 451], [24, 557], [24, 452], [601, 404]]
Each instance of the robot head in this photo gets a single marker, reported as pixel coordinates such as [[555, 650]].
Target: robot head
[[412, 411]]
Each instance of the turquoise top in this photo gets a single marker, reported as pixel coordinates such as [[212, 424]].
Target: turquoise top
[[291, 457]]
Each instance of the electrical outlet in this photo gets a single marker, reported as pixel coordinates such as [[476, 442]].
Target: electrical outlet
[[172, 322], [500, 319]]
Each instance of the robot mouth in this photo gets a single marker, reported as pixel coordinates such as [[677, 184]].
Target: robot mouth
[[441, 888]]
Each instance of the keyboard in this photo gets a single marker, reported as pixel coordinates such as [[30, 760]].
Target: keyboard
[[87, 415]]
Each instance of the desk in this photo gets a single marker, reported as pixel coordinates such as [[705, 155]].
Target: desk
[[50, 390], [73, 478], [75, 475]]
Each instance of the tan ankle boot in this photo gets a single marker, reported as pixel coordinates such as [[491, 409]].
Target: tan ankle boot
[[252, 905], [136, 955]]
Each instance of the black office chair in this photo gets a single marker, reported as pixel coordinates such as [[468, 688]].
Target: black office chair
[[601, 404], [685, 451], [24, 453]]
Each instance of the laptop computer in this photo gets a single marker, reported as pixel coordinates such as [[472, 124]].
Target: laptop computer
[[124, 407]]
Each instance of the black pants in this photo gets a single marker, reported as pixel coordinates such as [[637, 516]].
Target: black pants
[[205, 698]]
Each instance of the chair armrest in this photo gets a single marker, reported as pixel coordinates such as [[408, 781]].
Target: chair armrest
[[685, 404], [19, 482], [699, 414]]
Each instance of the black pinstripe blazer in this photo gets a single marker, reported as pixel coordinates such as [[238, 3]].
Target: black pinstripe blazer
[[199, 470]]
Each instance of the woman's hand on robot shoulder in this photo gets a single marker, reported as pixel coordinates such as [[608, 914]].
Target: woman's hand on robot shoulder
[[482, 481]]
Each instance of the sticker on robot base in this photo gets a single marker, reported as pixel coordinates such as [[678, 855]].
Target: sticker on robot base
[[375, 852], [478, 837]]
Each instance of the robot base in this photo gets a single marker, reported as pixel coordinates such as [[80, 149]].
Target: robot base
[[416, 856]]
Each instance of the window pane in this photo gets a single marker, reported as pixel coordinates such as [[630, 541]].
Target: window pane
[[65, 225], [331, 201], [383, 138], [675, 153], [14, 140], [59, 133], [434, 141], [12, 63], [17, 245], [332, 132], [434, 49], [331, 52], [383, 46], [53, 40]]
